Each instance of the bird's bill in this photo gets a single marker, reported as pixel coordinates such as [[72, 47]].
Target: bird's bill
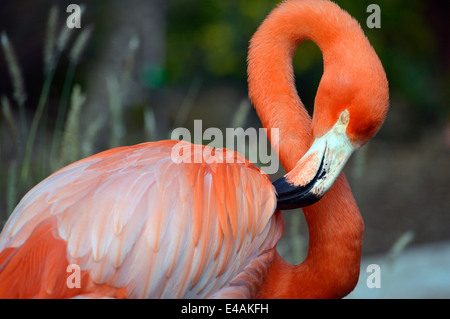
[[317, 170]]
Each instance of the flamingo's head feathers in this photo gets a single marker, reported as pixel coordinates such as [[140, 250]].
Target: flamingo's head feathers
[[350, 107], [356, 83], [351, 101]]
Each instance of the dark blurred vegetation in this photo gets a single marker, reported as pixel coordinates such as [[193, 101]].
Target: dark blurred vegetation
[[151, 66]]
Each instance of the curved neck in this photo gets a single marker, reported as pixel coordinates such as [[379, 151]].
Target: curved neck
[[270, 73], [331, 268]]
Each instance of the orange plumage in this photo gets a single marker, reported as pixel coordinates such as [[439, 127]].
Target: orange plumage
[[140, 225]]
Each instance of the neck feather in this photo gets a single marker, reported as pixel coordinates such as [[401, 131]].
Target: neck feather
[[270, 74], [331, 268]]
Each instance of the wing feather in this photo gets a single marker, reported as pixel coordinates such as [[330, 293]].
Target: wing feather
[[230, 193], [198, 172], [134, 218]]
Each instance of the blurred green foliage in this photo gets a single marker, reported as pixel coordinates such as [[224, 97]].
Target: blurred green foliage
[[211, 39]]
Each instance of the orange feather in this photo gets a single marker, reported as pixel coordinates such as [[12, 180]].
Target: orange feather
[[140, 225]]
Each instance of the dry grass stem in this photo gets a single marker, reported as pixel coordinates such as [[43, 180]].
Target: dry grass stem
[[16, 77], [80, 44], [70, 151], [87, 144], [7, 114], [115, 106], [50, 39]]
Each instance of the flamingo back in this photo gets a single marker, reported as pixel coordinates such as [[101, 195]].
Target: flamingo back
[[138, 222]]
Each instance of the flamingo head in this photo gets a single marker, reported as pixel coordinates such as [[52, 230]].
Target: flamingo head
[[350, 107]]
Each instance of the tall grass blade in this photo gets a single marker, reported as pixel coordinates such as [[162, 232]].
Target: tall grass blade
[[15, 73], [70, 150], [61, 44], [87, 144], [7, 114], [115, 106], [50, 39], [74, 57], [11, 187], [399, 246]]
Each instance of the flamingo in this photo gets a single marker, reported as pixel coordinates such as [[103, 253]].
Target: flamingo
[[137, 224]]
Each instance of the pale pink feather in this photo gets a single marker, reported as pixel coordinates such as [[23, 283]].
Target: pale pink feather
[[132, 218]]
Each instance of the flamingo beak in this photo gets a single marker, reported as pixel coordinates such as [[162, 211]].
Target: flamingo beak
[[317, 170]]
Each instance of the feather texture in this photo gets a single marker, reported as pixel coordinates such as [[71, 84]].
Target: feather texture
[[132, 217]]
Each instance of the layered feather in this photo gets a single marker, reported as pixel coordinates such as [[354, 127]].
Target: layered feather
[[134, 218]]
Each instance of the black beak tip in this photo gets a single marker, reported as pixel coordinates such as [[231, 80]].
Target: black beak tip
[[290, 196], [303, 200]]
